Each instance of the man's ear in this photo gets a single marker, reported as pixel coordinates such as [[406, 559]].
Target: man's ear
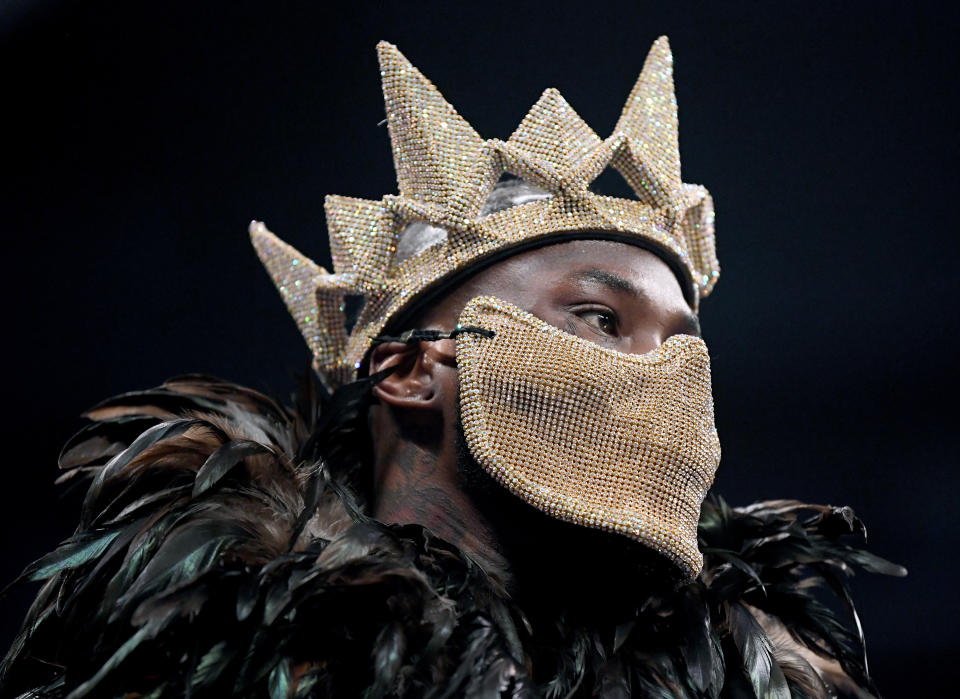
[[413, 383]]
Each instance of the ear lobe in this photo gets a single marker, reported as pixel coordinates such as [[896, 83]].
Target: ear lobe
[[412, 383]]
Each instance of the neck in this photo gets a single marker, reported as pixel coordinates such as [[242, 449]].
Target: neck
[[418, 484], [547, 564]]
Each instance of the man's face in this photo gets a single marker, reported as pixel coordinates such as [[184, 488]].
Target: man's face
[[616, 295]]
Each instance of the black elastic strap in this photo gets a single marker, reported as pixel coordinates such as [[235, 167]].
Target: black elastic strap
[[411, 336]]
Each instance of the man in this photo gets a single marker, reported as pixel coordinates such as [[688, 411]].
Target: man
[[496, 492]]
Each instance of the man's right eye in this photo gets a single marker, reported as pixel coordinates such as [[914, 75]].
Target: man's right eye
[[602, 320]]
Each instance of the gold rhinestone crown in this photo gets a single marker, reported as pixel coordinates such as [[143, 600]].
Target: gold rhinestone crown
[[446, 171]]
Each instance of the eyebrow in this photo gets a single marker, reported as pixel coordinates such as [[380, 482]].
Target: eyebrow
[[690, 322], [614, 281]]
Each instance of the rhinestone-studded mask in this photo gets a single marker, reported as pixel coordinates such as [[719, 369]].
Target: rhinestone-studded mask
[[446, 172], [620, 442]]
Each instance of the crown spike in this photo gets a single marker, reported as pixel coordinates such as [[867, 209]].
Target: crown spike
[[434, 148], [362, 238], [313, 297], [697, 228], [649, 124], [554, 133]]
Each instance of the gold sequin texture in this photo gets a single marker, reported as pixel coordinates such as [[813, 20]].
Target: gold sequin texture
[[446, 171], [620, 442]]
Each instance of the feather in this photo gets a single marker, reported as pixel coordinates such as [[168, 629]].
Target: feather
[[802, 678], [155, 434], [388, 654], [479, 640], [613, 682], [499, 678], [247, 598], [213, 663], [696, 646], [756, 655], [161, 402], [93, 442], [312, 494], [219, 463], [874, 564], [737, 562], [89, 451], [501, 617], [305, 684], [74, 553], [148, 502], [281, 681], [117, 547], [183, 554], [622, 633]]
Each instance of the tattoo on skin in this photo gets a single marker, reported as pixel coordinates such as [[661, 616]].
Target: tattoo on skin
[[413, 495]]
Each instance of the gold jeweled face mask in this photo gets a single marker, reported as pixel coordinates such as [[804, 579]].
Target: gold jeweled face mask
[[620, 442]]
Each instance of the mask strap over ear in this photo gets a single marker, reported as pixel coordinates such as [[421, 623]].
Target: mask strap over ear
[[411, 336]]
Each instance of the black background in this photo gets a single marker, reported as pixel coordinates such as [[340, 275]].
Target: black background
[[140, 138]]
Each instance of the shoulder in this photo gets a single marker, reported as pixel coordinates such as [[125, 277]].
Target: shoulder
[[775, 580], [196, 480], [217, 556]]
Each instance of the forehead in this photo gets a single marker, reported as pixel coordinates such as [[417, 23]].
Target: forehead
[[574, 261]]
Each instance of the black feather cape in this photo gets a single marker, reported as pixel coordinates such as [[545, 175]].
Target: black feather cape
[[223, 551]]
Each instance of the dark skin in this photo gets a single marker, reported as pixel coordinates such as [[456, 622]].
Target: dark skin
[[617, 295]]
